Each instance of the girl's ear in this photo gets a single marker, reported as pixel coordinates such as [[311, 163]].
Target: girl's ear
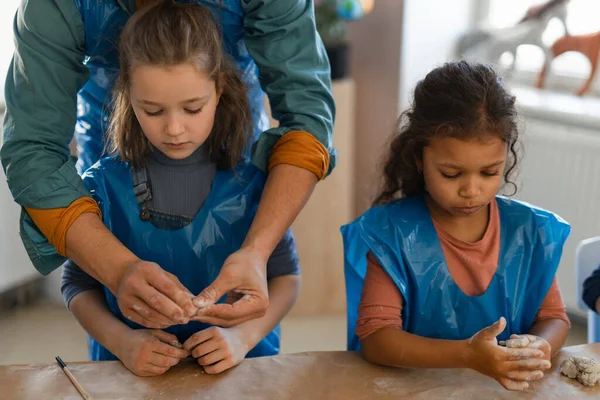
[[219, 86], [219, 93]]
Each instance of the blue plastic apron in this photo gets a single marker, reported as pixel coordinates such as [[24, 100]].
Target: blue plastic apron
[[402, 237], [194, 253]]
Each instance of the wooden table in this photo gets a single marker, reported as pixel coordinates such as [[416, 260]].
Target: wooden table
[[313, 376]]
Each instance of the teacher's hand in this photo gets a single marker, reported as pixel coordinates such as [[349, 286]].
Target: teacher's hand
[[153, 297], [243, 278]]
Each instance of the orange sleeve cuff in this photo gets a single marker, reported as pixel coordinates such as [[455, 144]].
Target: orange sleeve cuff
[[55, 222], [381, 302], [303, 150]]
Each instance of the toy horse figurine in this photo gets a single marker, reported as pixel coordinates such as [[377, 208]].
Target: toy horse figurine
[[588, 45], [489, 45], [557, 7]]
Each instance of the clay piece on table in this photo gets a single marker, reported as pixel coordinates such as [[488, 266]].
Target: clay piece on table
[[585, 370]]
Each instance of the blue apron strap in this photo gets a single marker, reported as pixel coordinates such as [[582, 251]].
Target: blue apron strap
[[142, 191]]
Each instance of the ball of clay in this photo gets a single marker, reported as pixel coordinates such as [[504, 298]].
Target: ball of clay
[[588, 378], [587, 364], [569, 368], [585, 370], [589, 371]]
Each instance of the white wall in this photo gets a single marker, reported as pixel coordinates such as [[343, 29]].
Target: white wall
[[7, 14], [15, 267], [429, 31]]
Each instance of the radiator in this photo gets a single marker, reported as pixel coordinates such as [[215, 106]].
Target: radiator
[[561, 172]]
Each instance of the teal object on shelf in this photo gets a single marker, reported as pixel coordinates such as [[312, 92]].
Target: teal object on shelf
[[353, 9]]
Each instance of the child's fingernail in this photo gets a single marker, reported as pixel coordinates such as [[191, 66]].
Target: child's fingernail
[[537, 375]]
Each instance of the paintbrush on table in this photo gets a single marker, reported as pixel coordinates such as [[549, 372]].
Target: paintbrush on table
[[77, 385]]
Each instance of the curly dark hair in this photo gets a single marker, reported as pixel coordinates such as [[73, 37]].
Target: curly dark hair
[[460, 99]]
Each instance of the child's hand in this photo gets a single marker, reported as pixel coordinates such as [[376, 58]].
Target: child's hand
[[532, 342], [511, 367], [217, 349], [148, 352]]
